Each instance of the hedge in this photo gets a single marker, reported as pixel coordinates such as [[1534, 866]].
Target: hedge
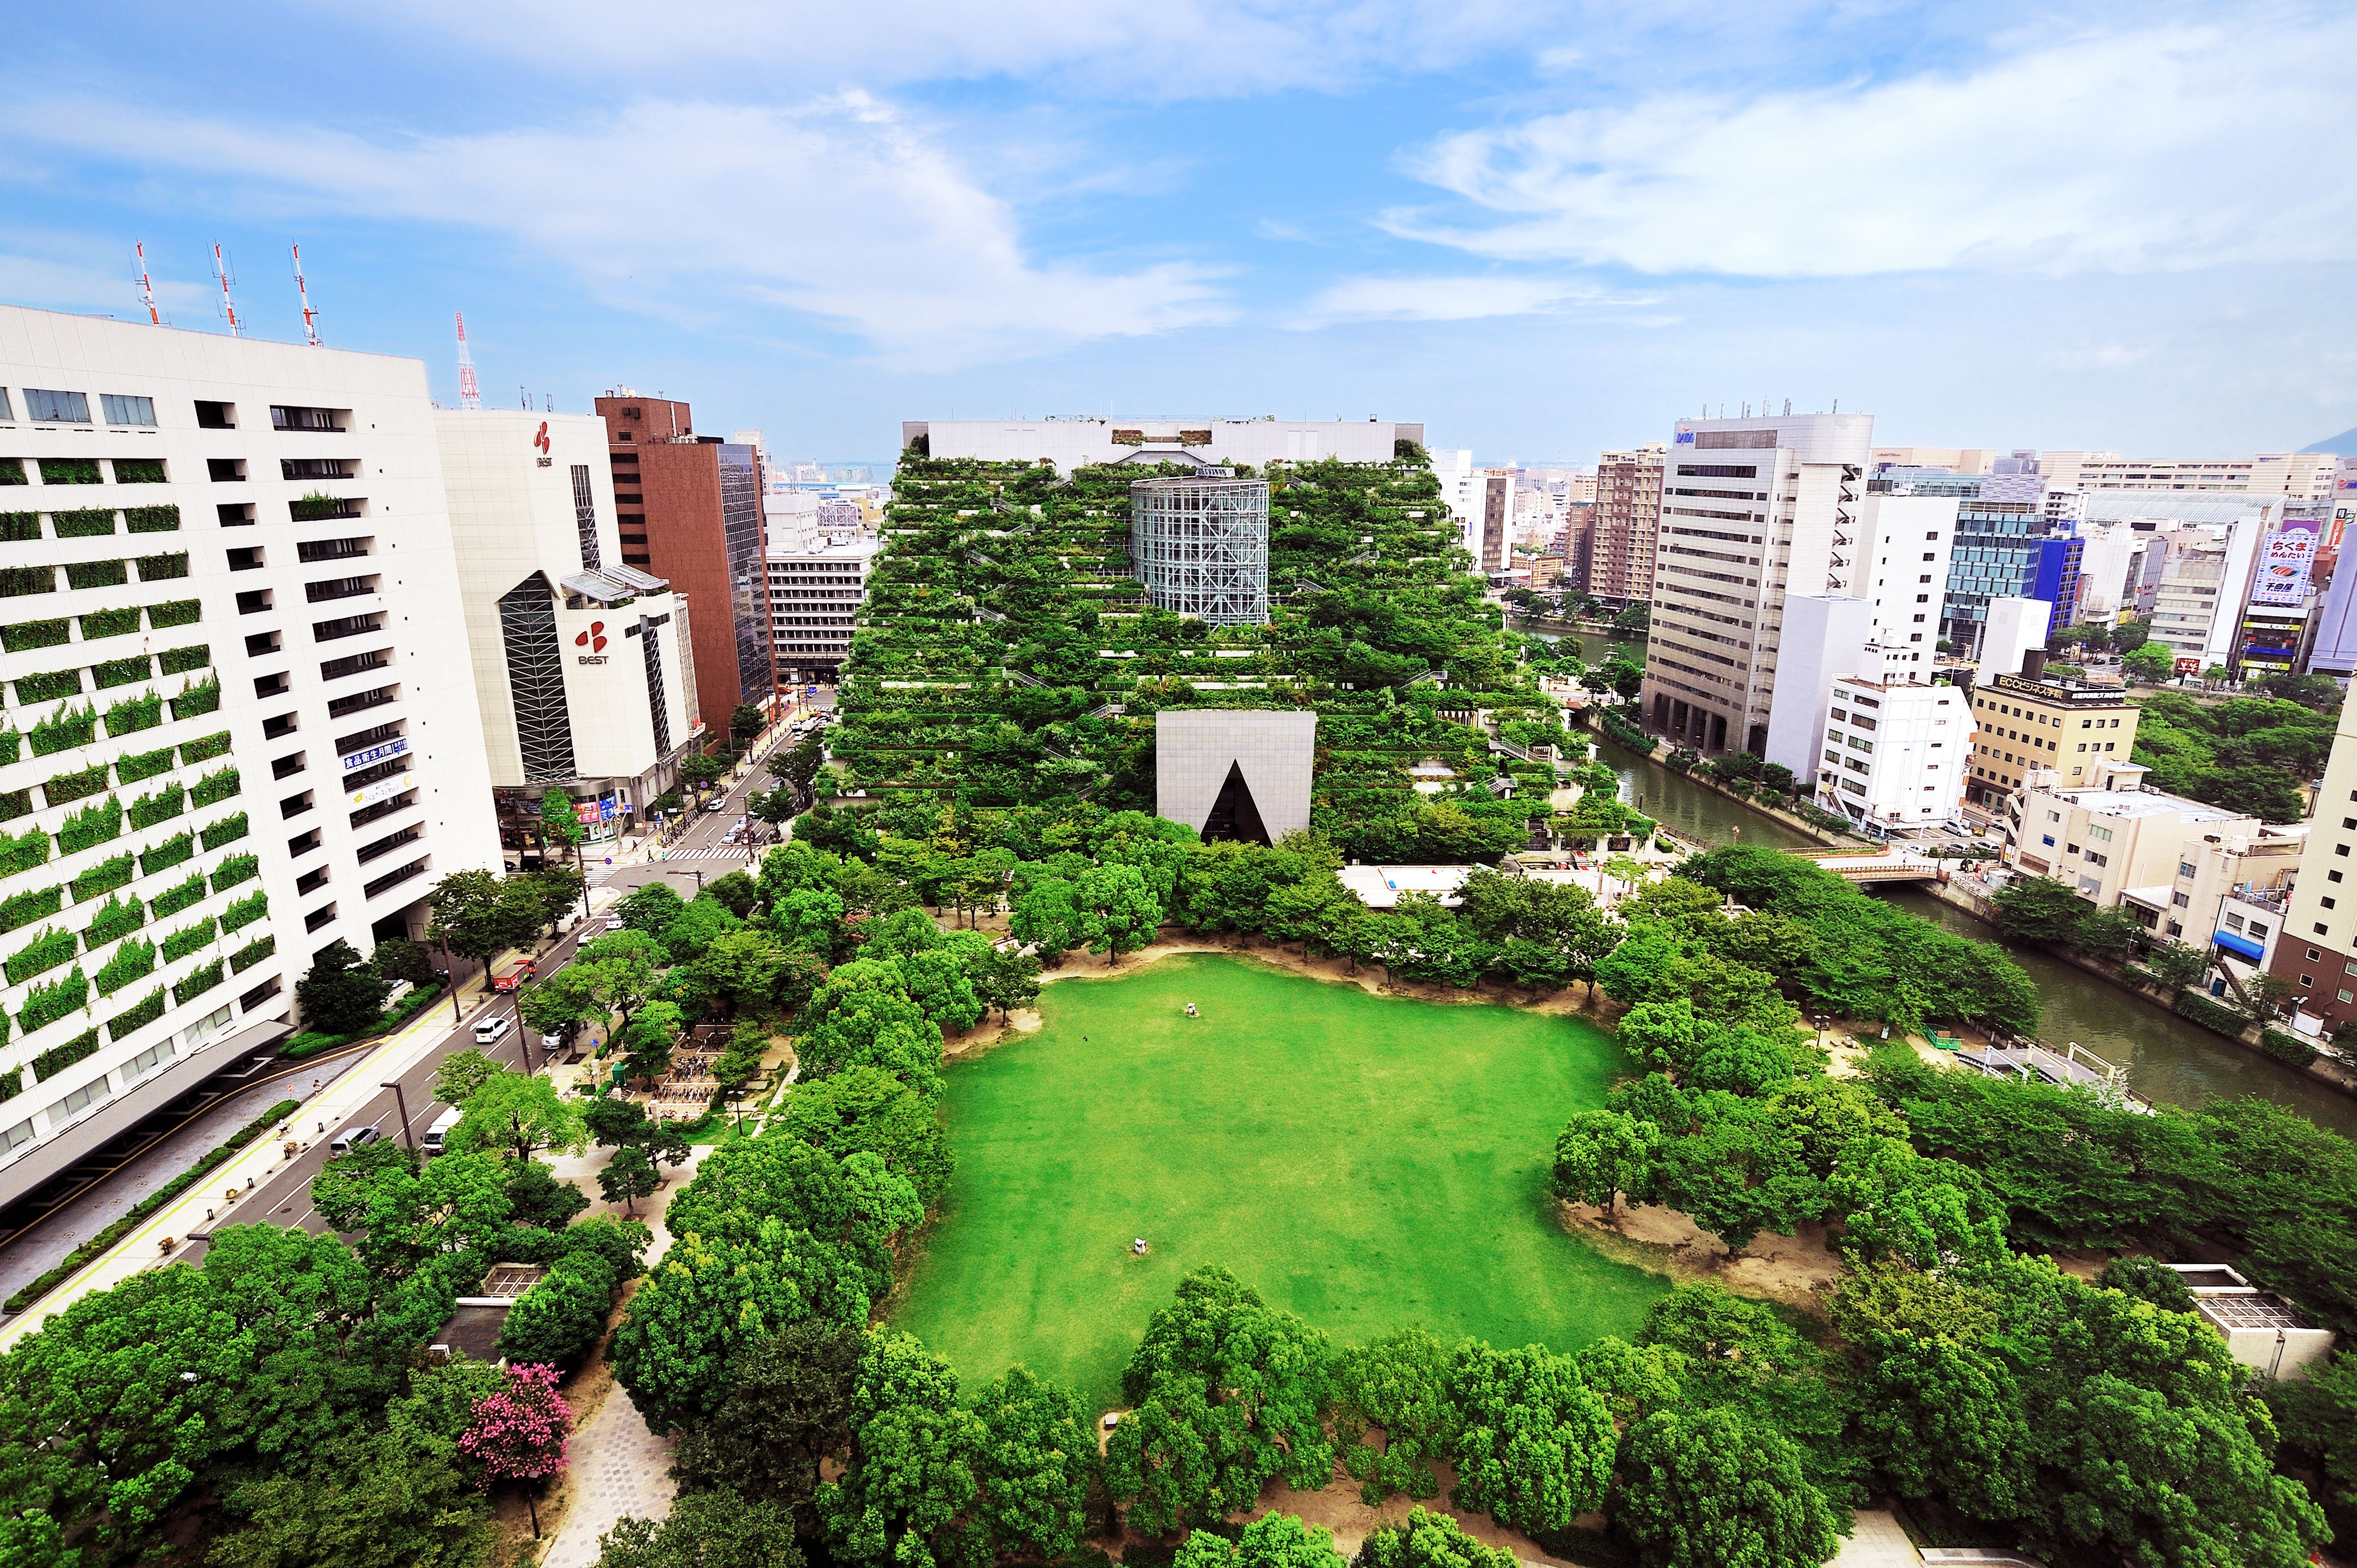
[[253, 952], [180, 661], [67, 788], [2210, 1015], [134, 960], [204, 749], [172, 852], [24, 908], [139, 470], [22, 852], [116, 917], [92, 826], [172, 900], [2287, 1047], [99, 1244], [121, 671], [28, 634], [187, 939], [47, 1004], [100, 623], [134, 714], [228, 830], [50, 950], [131, 769], [69, 470], [103, 878], [197, 983], [215, 786], [237, 868], [195, 700], [14, 803], [63, 730], [152, 519], [160, 807], [49, 687], [90, 522], [163, 568], [244, 912], [302, 1046], [176, 612], [17, 581], [56, 1060], [138, 1015], [96, 575]]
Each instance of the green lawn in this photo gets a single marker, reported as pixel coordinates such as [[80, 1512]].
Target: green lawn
[[1365, 1161]]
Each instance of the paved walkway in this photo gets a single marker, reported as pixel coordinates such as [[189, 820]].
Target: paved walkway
[[619, 1467], [1877, 1542]]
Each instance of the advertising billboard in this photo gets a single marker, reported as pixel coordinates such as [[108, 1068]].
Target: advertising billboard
[[2286, 558]]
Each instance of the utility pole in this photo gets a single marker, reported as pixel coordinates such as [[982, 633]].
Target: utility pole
[[406, 1135], [451, 966]]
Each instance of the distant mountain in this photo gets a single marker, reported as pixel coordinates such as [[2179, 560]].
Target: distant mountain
[[2343, 444]]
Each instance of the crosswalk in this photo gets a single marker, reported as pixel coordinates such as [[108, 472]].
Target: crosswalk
[[724, 852]]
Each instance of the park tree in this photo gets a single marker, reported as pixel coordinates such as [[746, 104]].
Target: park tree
[[517, 1113], [737, 892], [864, 1109], [1004, 978], [340, 996], [1050, 914], [1399, 1382], [785, 1405], [1427, 1539], [1033, 1461], [461, 1073], [699, 923], [1706, 1489], [475, 913], [649, 1041], [650, 908], [364, 1501], [405, 1213], [622, 973], [537, 1197], [1604, 1154], [1276, 1540], [560, 1319], [2041, 909], [853, 1207], [2151, 662], [705, 1530], [518, 1434], [569, 997], [629, 1176], [1535, 1444], [910, 1481]]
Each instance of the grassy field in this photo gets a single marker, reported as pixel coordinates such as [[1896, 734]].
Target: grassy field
[[1366, 1161]]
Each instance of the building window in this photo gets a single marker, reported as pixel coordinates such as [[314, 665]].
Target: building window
[[127, 409], [56, 407], [81, 1100], [2181, 900], [2184, 868], [16, 1136]]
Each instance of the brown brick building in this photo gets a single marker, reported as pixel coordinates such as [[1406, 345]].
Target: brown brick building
[[690, 509], [1628, 515]]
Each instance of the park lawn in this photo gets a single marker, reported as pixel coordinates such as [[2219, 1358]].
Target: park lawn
[[1368, 1161]]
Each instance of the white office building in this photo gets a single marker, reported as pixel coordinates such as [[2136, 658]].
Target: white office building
[[1894, 753], [1083, 439], [1904, 552], [240, 721], [575, 656], [814, 598], [1752, 509]]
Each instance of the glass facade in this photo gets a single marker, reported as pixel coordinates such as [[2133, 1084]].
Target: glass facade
[[585, 516], [748, 575], [536, 680]]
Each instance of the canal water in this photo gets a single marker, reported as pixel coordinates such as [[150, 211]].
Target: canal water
[[2168, 1058]]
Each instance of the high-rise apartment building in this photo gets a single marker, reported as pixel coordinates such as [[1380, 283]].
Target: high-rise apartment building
[[1628, 513], [1904, 546], [1750, 509], [1497, 522], [690, 511], [242, 726], [576, 655], [2317, 948]]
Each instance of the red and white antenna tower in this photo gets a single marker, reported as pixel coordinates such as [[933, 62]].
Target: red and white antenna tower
[[148, 289], [310, 317], [469, 394], [229, 305]]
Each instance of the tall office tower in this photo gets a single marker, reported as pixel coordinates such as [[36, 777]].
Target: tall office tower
[[2001, 549], [2316, 948], [690, 511], [1460, 487], [1904, 549], [1627, 512], [576, 655], [242, 724], [815, 592], [1751, 510], [1497, 522]]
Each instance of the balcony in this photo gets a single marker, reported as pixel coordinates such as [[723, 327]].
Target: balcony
[[225, 471], [357, 664], [338, 589], [349, 626], [384, 808], [317, 468], [360, 700], [330, 549], [319, 917], [270, 685], [390, 843], [293, 806], [395, 879], [216, 415], [392, 767], [321, 421], [235, 514], [287, 766], [312, 880], [261, 643], [278, 727], [247, 558], [347, 745], [315, 508], [302, 844]]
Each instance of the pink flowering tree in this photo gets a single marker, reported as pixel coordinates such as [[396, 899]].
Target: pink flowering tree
[[519, 1433]]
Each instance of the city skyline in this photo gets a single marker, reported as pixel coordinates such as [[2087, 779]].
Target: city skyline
[[1986, 225]]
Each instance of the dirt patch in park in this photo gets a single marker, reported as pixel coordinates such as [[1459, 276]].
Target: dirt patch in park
[[1796, 1271]]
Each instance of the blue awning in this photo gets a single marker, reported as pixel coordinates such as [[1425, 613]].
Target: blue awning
[[2244, 945]]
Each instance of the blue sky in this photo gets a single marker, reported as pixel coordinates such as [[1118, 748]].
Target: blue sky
[[1544, 229]]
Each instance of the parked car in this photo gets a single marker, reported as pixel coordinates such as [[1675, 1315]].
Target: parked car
[[491, 1031]]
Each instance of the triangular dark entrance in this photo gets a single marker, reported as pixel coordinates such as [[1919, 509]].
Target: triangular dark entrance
[[1236, 815]]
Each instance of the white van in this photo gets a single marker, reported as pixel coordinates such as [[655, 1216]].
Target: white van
[[491, 1031], [441, 1130]]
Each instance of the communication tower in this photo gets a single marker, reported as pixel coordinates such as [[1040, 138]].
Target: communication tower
[[469, 394], [229, 305], [148, 289], [310, 317]]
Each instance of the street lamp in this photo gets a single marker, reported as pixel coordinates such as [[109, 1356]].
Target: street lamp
[[398, 1099]]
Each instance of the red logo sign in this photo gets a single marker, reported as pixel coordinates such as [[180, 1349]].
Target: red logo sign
[[541, 440], [594, 639]]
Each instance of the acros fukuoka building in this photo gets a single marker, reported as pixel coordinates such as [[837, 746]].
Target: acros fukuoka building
[[240, 722], [1085, 439], [1200, 546]]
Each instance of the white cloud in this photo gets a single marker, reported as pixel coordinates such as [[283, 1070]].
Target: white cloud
[[840, 209], [73, 271], [1446, 299], [2167, 148]]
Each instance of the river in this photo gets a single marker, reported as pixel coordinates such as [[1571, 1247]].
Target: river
[[2168, 1058]]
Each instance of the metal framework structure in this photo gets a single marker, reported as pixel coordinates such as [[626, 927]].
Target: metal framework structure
[[1200, 546], [543, 719]]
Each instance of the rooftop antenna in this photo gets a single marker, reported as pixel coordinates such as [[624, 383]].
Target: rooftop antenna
[[229, 305], [469, 394], [148, 289], [310, 317]]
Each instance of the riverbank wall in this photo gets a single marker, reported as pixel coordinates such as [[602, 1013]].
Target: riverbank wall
[[1749, 802], [2324, 1069]]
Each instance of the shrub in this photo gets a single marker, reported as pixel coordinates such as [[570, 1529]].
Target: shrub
[[42, 954], [204, 749], [218, 785], [237, 868], [195, 700], [49, 687], [152, 519], [253, 952], [162, 806], [176, 612], [163, 568], [110, 623], [14, 803], [172, 852], [134, 960], [198, 982], [90, 522], [56, 1060], [180, 661], [139, 470], [11, 748], [116, 917], [67, 788], [244, 912], [2211, 1014], [45, 1005], [558, 1320], [133, 714], [93, 824], [132, 768], [22, 852], [103, 878], [65, 729], [27, 634], [12, 470], [69, 470], [172, 900], [121, 671], [228, 830], [24, 908], [17, 581], [145, 1010], [96, 574], [2286, 1047]]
